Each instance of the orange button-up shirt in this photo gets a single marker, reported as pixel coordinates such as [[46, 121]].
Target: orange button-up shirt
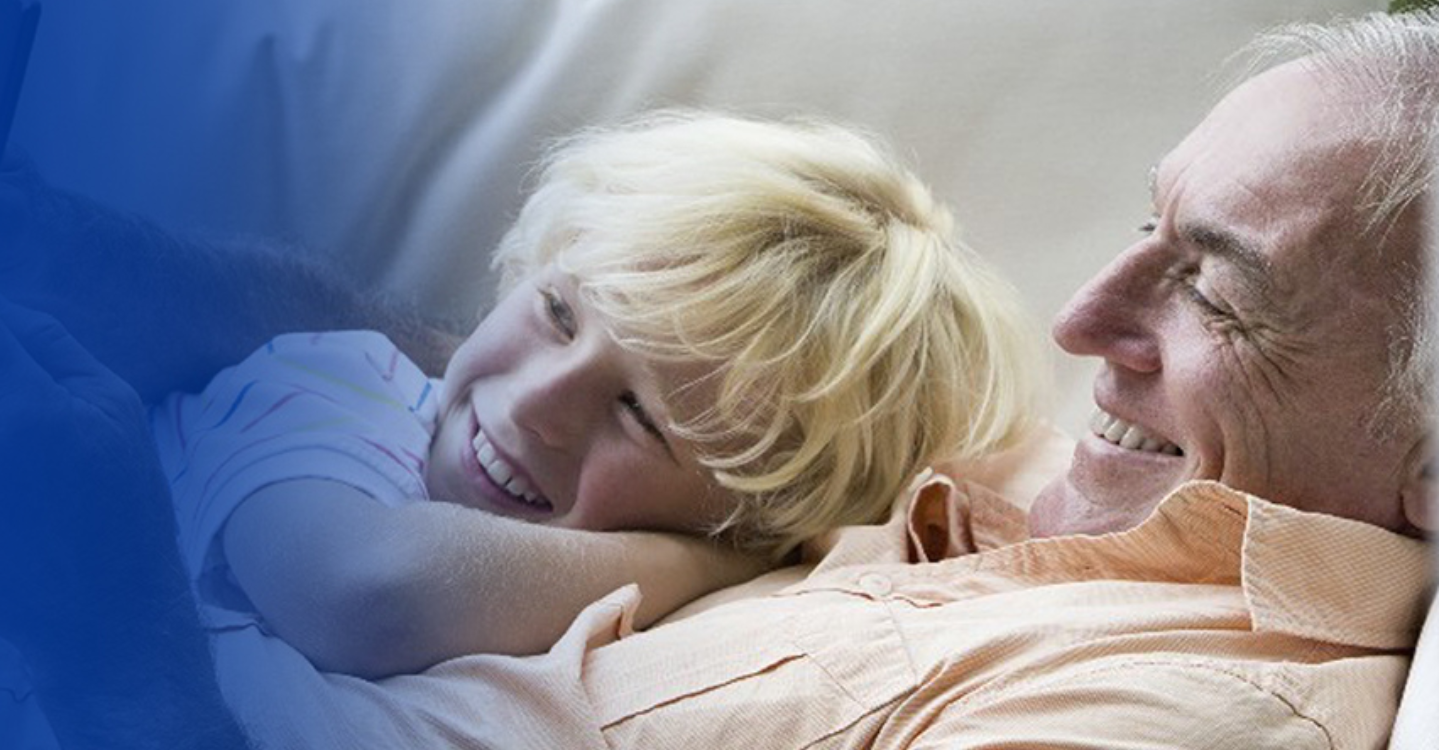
[[1223, 621]]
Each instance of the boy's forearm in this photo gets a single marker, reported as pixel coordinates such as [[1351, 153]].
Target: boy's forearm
[[369, 590], [484, 583], [674, 570]]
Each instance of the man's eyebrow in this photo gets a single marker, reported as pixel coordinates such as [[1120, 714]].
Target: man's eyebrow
[[1253, 266]]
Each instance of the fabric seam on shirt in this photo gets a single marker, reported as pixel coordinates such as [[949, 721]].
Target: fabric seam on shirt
[[709, 688], [882, 708], [903, 642], [839, 683]]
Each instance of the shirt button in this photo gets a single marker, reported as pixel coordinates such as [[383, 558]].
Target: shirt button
[[875, 584]]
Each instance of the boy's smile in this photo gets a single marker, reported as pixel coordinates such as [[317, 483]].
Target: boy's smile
[[545, 417], [501, 478]]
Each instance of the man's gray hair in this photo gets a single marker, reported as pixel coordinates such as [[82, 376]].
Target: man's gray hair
[[1394, 60]]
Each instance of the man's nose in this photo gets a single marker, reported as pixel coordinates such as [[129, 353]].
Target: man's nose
[[1114, 315]]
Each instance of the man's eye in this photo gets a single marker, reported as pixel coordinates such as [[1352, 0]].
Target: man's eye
[[1150, 224], [560, 314], [1204, 303], [632, 404], [1187, 280]]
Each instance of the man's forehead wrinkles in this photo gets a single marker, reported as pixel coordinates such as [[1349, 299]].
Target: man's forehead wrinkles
[[1256, 271]]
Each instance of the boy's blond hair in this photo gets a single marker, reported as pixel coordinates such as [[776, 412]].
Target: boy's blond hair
[[853, 339]]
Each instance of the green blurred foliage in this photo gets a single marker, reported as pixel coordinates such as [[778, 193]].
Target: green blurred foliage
[[1399, 6]]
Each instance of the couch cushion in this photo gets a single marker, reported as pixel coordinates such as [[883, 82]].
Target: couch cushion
[[398, 134]]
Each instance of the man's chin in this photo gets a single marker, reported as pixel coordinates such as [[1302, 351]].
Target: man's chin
[[1047, 512], [1062, 508]]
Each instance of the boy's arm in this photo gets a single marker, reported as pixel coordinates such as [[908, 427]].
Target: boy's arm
[[372, 590]]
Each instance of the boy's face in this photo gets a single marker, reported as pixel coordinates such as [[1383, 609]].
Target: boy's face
[[545, 418]]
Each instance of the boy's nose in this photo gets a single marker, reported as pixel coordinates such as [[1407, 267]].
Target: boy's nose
[[558, 398]]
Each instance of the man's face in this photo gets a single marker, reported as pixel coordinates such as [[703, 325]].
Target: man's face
[[546, 418], [1244, 335]]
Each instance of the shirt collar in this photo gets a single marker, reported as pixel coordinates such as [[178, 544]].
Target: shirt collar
[[937, 518], [1310, 575], [1330, 578]]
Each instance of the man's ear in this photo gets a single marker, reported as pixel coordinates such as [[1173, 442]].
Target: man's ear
[[1421, 488]]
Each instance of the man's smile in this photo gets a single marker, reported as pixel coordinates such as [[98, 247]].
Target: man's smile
[[1130, 436]]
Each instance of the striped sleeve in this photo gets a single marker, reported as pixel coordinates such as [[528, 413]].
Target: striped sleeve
[[342, 406]]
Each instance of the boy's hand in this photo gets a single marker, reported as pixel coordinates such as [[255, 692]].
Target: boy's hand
[[673, 570], [725, 565]]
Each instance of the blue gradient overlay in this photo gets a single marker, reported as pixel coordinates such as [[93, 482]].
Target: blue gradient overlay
[[122, 141]]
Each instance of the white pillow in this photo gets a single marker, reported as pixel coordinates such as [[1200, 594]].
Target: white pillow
[[1417, 726]]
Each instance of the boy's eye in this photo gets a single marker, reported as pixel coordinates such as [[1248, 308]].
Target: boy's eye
[[632, 404], [560, 314], [1148, 227]]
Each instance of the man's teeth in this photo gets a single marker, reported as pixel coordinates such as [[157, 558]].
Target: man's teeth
[[1126, 435], [504, 474]]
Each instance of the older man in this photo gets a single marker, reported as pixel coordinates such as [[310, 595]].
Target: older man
[[1261, 336], [1263, 330]]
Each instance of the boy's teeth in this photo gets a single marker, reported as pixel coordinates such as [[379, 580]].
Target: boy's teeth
[[1126, 435], [518, 486], [503, 474]]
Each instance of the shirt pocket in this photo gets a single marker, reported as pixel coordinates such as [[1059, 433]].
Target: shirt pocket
[[784, 672]]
